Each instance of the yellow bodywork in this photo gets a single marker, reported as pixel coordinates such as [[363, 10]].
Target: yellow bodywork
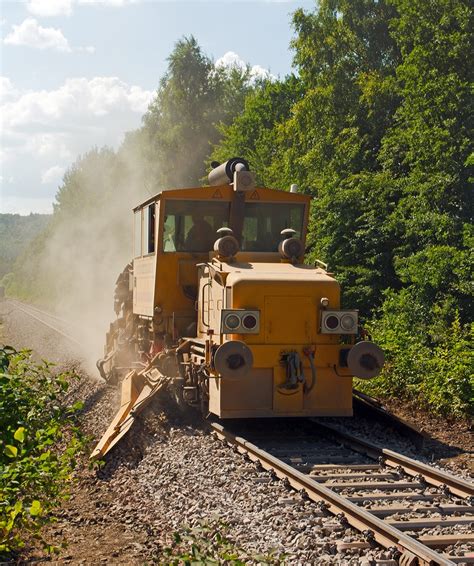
[[288, 298], [172, 291]]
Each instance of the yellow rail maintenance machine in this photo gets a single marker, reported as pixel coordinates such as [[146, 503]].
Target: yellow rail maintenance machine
[[219, 306]]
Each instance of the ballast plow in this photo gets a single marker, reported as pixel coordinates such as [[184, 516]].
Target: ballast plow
[[137, 390]]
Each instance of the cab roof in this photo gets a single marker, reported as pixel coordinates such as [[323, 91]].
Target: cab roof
[[224, 193]]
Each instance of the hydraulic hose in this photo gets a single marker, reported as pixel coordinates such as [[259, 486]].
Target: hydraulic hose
[[310, 355]]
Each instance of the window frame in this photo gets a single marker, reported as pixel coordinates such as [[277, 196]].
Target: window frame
[[138, 219]]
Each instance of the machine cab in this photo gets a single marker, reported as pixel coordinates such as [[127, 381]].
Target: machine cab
[[176, 230]]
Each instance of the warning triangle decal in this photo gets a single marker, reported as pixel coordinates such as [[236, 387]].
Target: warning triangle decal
[[217, 194], [254, 196]]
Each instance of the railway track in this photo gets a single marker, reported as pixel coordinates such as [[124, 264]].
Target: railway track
[[59, 325], [423, 515]]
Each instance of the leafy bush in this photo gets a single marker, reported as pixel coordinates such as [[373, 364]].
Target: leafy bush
[[429, 358], [38, 446], [207, 544]]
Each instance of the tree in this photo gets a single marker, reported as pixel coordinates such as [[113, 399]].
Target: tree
[[253, 133], [182, 122]]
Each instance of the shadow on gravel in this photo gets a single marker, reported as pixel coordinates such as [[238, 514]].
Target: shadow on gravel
[[425, 447], [434, 449]]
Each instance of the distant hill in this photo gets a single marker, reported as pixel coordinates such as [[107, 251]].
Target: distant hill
[[16, 232]]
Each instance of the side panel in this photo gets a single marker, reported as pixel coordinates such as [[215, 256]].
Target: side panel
[[254, 392], [144, 285]]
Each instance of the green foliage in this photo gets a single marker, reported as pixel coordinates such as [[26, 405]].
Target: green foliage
[[182, 122], [206, 545], [427, 359], [38, 446], [16, 233]]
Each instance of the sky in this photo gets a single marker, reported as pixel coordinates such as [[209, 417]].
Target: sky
[[78, 74]]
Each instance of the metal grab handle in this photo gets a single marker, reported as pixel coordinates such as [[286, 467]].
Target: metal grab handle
[[202, 308]]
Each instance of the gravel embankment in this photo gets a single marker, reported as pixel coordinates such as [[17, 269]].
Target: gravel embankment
[[170, 472]]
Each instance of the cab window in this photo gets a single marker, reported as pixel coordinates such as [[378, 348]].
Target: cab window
[[149, 229], [263, 223], [137, 234], [191, 226]]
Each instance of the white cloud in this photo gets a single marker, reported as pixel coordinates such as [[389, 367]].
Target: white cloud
[[48, 129], [7, 90], [46, 8], [75, 100], [51, 8], [232, 60], [50, 146], [52, 175], [29, 33]]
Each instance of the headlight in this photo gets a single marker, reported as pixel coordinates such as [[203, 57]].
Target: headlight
[[348, 322], [331, 322], [240, 321], [232, 321], [339, 322], [249, 321]]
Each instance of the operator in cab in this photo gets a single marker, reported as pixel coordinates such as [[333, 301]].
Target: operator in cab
[[201, 236]]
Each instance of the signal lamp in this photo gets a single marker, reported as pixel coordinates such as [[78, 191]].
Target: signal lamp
[[232, 321], [338, 321], [249, 322], [332, 322], [240, 321], [348, 322]]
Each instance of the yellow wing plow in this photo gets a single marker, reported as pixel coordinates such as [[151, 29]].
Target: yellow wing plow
[[138, 389]]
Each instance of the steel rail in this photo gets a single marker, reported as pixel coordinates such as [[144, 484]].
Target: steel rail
[[358, 517], [41, 311], [20, 306], [432, 476]]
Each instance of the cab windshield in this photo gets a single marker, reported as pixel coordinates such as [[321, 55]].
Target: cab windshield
[[191, 226], [263, 223]]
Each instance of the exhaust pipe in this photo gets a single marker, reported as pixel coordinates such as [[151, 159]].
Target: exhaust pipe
[[223, 174]]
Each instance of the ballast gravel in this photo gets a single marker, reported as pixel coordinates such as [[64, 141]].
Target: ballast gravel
[[170, 472]]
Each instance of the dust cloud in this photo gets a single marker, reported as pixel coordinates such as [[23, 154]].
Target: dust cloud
[[86, 250]]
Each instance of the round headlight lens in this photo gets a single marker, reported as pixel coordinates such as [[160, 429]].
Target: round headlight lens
[[331, 322], [232, 321], [348, 322], [249, 322]]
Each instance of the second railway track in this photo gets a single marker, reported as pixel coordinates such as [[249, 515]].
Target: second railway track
[[424, 515], [59, 325]]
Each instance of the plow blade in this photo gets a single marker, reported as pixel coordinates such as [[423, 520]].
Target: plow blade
[[138, 388]]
